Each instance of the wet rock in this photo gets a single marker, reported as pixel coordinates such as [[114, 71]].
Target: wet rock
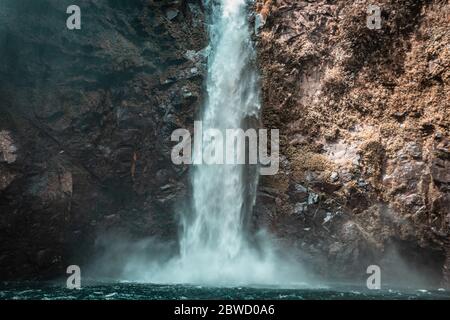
[[260, 21], [440, 171], [313, 198], [6, 177], [172, 13], [384, 135], [7, 147], [324, 186], [87, 144], [438, 135], [412, 149], [334, 176], [46, 258], [300, 208], [328, 217], [299, 193], [197, 56], [300, 188], [362, 183]]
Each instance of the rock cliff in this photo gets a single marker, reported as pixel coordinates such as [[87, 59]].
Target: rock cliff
[[364, 121], [86, 117], [85, 123]]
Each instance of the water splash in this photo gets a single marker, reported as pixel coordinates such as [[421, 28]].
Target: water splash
[[214, 246], [215, 234]]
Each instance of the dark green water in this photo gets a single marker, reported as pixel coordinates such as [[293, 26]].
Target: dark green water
[[134, 291]]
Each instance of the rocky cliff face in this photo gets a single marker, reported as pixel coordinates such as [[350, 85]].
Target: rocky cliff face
[[364, 123], [85, 123], [86, 118]]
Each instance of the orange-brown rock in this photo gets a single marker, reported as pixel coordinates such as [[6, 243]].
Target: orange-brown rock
[[364, 118]]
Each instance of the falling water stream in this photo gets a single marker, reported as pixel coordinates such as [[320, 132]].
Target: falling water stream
[[214, 247], [215, 236]]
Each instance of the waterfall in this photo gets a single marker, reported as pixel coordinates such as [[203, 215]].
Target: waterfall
[[214, 244], [215, 233]]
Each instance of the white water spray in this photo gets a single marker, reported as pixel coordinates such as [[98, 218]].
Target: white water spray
[[213, 242], [214, 249]]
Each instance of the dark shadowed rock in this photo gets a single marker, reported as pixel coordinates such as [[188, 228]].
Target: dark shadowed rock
[[82, 133]]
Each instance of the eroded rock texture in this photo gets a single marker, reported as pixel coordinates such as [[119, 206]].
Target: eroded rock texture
[[85, 124], [86, 117], [364, 120]]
